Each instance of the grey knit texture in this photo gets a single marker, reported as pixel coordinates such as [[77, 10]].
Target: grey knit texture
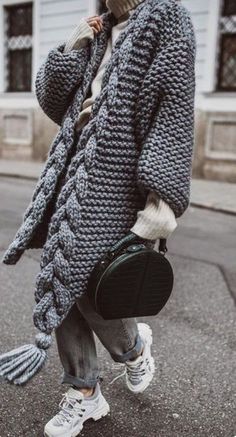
[[139, 138]]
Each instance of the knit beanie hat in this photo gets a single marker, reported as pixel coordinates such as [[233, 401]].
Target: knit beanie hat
[[120, 7]]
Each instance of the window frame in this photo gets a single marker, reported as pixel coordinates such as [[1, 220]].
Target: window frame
[[35, 46], [209, 85], [224, 12], [219, 71]]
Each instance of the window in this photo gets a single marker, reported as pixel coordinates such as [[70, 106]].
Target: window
[[227, 55], [18, 47]]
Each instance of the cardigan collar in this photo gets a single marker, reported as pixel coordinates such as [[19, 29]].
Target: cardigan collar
[[109, 19], [99, 44]]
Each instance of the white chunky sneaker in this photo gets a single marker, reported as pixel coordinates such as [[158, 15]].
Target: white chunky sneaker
[[139, 372], [75, 410]]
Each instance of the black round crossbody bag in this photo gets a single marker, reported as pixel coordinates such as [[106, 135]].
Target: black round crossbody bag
[[131, 280]]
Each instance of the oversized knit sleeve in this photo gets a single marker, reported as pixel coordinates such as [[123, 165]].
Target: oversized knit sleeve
[[58, 78], [165, 160]]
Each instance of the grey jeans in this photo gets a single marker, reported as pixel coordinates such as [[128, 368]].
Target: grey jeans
[[76, 343]]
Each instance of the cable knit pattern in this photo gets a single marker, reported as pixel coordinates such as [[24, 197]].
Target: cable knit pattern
[[139, 137], [157, 220]]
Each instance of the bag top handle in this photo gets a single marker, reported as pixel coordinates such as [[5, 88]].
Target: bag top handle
[[162, 246], [133, 238]]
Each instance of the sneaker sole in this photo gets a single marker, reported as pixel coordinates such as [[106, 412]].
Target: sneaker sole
[[99, 414]]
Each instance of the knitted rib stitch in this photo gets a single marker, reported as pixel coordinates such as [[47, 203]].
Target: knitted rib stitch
[[120, 7], [139, 138]]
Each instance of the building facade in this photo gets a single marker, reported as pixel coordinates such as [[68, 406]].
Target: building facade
[[30, 28]]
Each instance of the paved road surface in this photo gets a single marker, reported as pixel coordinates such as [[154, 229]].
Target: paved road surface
[[193, 393]]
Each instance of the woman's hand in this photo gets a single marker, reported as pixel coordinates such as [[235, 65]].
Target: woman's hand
[[95, 23]]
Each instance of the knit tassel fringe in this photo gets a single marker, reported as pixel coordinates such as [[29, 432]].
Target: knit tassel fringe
[[21, 364]]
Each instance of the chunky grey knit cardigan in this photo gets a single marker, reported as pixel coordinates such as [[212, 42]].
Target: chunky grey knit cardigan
[[139, 138]]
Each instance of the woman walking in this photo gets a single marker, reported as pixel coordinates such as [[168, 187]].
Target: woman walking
[[122, 90]]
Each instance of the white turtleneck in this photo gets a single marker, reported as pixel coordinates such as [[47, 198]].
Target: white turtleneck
[[120, 7], [157, 220]]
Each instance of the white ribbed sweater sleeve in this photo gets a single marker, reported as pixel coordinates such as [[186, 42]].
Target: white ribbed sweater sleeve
[[157, 220], [80, 36]]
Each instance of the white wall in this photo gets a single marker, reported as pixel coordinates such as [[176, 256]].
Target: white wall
[[205, 15], [57, 19], [200, 12]]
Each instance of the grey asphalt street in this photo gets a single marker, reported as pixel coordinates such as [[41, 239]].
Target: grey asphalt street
[[194, 390]]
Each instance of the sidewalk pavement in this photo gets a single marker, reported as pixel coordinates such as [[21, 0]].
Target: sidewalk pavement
[[216, 196]]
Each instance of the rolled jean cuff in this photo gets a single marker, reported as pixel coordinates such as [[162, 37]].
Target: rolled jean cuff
[[131, 354], [79, 382]]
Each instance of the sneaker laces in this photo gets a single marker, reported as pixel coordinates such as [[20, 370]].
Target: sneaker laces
[[118, 377], [69, 408], [134, 372]]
